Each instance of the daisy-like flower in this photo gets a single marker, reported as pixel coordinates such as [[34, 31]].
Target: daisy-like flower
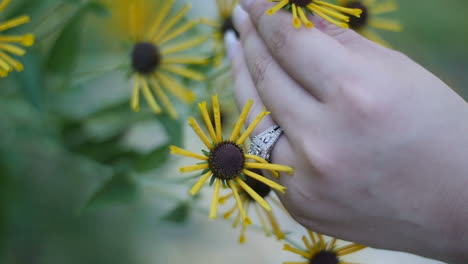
[[156, 58], [335, 14], [7, 63], [267, 218], [369, 19], [221, 25], [226, 163], [320, 252]]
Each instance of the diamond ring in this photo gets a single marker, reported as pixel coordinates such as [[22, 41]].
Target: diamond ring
[[262, 144]]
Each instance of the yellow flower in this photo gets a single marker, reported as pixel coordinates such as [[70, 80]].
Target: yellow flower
[[320, 252], [330, 12], [221, 25], [265, 217], [156, 58], [369, 19], [7, 63], [225, 161]]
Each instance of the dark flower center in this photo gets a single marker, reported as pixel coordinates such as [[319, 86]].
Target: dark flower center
[[145, 57], [226, 160], [229, 25], [325, 257], [259, 187], [358, 22], [301, 3]]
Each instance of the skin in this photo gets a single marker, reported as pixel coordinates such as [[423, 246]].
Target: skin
[[378, 143]]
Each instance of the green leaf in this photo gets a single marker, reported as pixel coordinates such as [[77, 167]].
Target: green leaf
[[179, 214], [206, 153], [205, 171], [212, 180], [31, 80], [64, 53], [173, 129], [152, 160], [99, 9], [121, 188], [242, 176]]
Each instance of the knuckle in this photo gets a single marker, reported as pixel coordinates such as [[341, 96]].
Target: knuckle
[[323, 163], [259, 70], [364, 104], [279, 39], [257, 10]]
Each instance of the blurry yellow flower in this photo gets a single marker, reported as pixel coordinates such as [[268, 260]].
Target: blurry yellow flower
[[221, 25], [7, 63], [225, 161], [267, 218], [330, 12], [320, 252], [156, 58], [369, 19]]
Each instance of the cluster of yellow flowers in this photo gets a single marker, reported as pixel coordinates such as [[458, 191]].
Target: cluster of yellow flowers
[[7, 43], [159, 57]]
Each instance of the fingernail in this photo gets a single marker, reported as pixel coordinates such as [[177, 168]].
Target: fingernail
[[239, 17], [230, 41], [246, 4]]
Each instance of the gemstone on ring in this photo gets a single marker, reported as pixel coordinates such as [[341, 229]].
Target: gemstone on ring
[[262, 144]]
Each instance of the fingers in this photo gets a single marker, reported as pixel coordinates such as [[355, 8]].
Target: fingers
[[315, 59], [282, 96], [244, 90]]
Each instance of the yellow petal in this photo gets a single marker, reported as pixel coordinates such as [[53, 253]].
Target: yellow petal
[[214, 202], [149, 96], [258, 159], [207, 120], [269, 166], [252, 126], [277, 7], [193, 123], [136, 94], [14, 22], [187, 73], [183, 152], [193, 168], [196, 188], [170, 23], [178, 31], [241, 120], [12, 49], [164, 99], [217, 118], [264, 180], [175, 88], [297, 251], [253, 194], [4, 4], [246, 220]]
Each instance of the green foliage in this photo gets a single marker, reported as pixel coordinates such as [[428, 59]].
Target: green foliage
[[66, 48], [173, 129], [31, 80], [152, 160], [64, 52], [121, 188], [179, 214]]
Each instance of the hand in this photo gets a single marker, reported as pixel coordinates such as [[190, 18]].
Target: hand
[[378, 143]]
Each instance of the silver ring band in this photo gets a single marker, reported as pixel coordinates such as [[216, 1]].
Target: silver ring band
[[262, 144]]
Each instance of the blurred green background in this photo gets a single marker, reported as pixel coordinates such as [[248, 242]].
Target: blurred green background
[[85, 180]]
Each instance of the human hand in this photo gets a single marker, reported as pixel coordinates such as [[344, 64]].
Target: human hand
[[378, 143]]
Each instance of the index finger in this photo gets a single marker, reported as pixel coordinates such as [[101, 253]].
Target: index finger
[[313, 58]]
